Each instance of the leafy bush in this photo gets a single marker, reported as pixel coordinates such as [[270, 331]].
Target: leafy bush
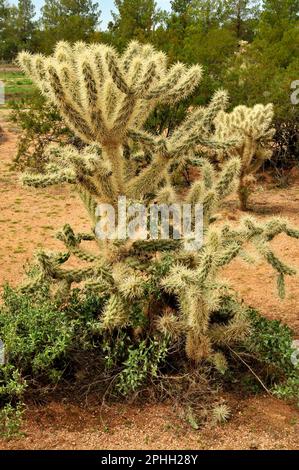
[[40, 125], [289, 389], [37, 337], [61, 343], [142, 362], [46, 340], [272, 342], [11, 420], [268, 352]]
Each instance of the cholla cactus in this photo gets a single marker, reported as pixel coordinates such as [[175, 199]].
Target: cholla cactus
[[252, 128], [150, 285]]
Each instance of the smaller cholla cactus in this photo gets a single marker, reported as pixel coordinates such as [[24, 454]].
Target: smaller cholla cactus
[[252, 128]]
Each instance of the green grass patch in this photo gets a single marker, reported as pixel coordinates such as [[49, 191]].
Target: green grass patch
[[17, 86]]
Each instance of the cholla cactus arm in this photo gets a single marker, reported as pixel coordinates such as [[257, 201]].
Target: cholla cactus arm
[[227, 179], [72, 242], [88, 201], [70, 112], [115, 313], [149, 178], [219, 102], [260, 235], [169, 82], [43, 180]]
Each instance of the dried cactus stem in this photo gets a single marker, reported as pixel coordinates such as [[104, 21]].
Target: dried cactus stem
[[243, 194]]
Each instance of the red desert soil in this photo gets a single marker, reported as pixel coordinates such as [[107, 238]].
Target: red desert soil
[[29, 219]]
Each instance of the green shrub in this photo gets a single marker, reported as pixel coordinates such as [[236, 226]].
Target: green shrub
[[289, 390], [268, 351], [11, 420], [40, 125], [143, 361], [37, 337], [271, 341], [47, 341]]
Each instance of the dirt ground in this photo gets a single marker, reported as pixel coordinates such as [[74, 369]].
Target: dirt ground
[[29, 219]]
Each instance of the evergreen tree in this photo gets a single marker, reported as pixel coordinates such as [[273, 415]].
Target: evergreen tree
[[209, 13], [134, 19], [25, 24], [277, 17], [242, 15], [71, 20], [181, 9], [8, 46]]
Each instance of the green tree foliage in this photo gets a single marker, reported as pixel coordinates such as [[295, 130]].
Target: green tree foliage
[[134, 19], [25, 24], [8, 43], [17, 28], [266, 68], [72, 20], [277, 17], [242, 16]]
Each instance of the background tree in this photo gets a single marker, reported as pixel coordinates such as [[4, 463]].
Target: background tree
[[71, 20], [8, 47], [278, 16], [242, 15], [25, 24], [134, 19]]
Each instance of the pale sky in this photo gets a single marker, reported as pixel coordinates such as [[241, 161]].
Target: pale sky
[[105, 6]]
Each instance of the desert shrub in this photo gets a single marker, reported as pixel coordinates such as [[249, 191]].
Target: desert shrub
[[11, 420], [40, 124], [264, 360], [289, 389], [286, 146], [37, 337], [272, 342], [62, 345], [142, 362], [41, 337]]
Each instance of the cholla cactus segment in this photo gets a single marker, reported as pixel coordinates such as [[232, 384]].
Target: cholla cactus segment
[[129, 281], [170, 325], [198, 347], [115, 313], [106, 98], [252, 127], [219, 360]]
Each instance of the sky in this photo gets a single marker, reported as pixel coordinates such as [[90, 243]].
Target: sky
[[105, 6]]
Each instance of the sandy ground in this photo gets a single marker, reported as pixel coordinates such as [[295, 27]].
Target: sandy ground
[[29, 219]]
